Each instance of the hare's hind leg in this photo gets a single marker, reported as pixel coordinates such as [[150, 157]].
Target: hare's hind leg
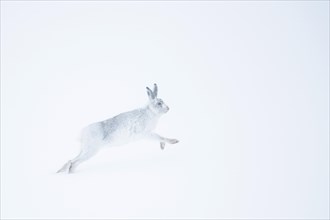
[[85, 154], [66, 167]]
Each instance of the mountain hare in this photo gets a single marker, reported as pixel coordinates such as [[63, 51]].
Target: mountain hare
[[121, 129]]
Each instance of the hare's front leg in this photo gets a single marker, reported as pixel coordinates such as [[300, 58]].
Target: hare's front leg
[[163, 140]]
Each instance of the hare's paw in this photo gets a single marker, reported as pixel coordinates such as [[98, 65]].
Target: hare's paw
[[66, 168], [173, 141], [162, 145], [72, 168]]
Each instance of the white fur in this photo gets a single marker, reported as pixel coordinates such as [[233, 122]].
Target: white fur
[[121, 129]]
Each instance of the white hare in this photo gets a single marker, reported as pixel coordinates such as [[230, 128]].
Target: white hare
[[121, 129]]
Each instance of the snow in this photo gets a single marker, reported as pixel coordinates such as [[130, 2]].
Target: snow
[[247, 84]]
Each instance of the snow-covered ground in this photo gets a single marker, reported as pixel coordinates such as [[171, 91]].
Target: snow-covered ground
[[248, 88]]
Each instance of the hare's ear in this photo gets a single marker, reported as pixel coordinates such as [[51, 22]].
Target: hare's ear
[[150, 94], [155, 90]]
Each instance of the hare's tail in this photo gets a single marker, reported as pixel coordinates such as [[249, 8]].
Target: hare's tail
[[66, 168]]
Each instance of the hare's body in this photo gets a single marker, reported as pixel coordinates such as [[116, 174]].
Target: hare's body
[[121, 129]]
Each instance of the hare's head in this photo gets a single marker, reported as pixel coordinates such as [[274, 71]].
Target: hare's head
[[155, 104]]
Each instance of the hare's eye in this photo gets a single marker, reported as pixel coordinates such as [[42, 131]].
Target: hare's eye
[[158, 103]]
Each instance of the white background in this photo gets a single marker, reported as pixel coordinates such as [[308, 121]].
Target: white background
[[248, 88]]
